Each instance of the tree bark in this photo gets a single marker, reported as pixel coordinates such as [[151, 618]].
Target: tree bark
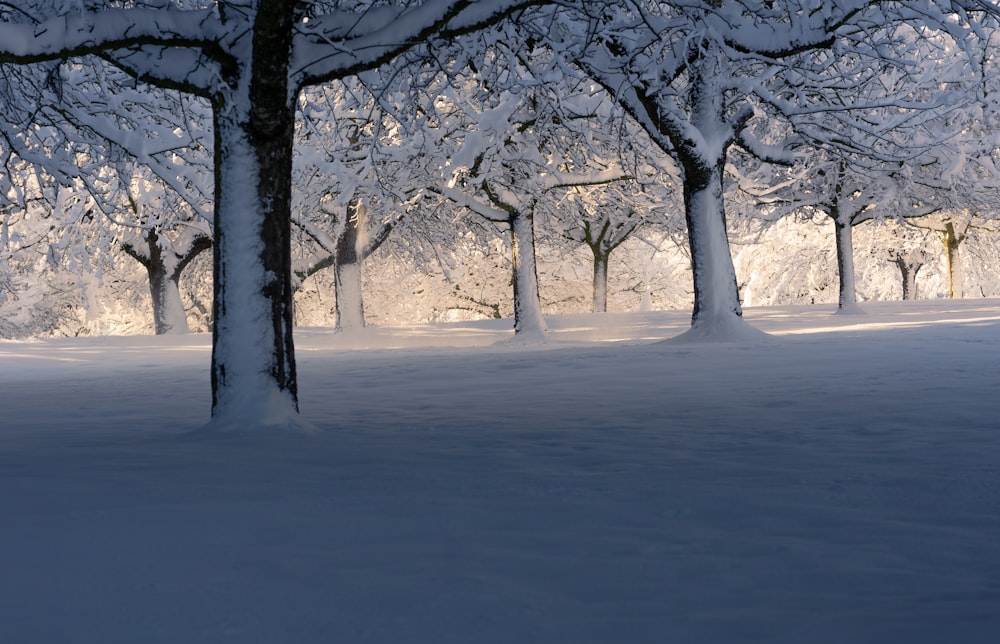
[[528, 319], [164, 270], [717, 310], [908, 271], [716, 294], [600, 280], [847, 301], [952, 249], [349, 306], [253, 361]]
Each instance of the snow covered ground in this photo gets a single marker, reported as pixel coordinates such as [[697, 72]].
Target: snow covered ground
[[838, 482]]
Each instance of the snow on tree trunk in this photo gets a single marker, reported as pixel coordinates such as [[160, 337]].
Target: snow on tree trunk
[[645, 298], [847, 302], [600, 282], [528, 320], [168, 310], [253, 363], [349, 307], [717, 311], [163, 272], [909, 264]]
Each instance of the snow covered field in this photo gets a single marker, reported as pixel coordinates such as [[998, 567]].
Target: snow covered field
[[838, 482]]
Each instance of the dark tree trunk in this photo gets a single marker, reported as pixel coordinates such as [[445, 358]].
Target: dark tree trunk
[[253, 358], [909, 263], [908, 271], [600, 281], [847, 301]]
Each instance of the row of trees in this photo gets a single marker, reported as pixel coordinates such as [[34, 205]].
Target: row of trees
[[464, 272], [501, 110]]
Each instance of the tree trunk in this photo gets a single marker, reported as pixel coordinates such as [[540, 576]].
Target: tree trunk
[[952, 246], [847, 302], [717, 311], [168, 310], [253, 362], [528, 320], [908, 271], [717, 307], [910, 283], [164, 273], [600, 280], [349, 306], [164, 289]]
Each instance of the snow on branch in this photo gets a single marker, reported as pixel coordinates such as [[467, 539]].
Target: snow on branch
[[477, 206], [338, 44], [94, 32], [557, 180]]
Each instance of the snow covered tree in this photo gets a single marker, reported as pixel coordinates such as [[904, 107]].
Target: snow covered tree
[[953, 229], [909, 262], [36, 298], [695, 74], [250, 59], [121, 145], [603, 217], [848, 191], [602, 236], [164, 258], [344, 254], [525, 136], [352, 159]]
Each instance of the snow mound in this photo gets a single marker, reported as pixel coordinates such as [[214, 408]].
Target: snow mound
[[727, 329]]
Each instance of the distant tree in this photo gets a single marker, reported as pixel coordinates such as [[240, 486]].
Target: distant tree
[[528, 136], [602, 236], [909, 262], [953, 229], [351, 158]]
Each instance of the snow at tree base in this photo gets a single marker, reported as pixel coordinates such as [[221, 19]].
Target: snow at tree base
[[834, 481]]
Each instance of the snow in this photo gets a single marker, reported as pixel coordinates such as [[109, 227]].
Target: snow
[[837, 482]]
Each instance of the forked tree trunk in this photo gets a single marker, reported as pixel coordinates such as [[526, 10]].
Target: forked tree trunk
[[168, 310], [602, 240], [164, 269], [717, 311], [908, 271], [528, 319]]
